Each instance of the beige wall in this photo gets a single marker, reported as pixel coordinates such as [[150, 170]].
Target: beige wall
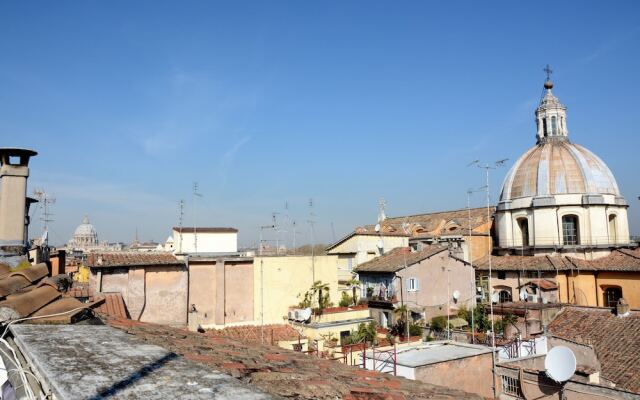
[[166, 296], [151, 294], [286, 279], [434, 281], [471, 374], [222, 293]]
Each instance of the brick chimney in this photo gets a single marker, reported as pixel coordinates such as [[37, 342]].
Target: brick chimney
[[14, 171]]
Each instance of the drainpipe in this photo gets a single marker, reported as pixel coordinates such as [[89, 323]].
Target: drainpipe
[[188, 288]]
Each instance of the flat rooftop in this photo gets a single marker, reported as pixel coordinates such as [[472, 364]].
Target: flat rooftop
[[96, 362], [433, 352]]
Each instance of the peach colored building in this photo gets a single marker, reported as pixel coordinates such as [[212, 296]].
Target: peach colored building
[[427, 281]]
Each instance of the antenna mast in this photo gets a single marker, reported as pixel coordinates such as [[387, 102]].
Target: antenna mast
[[180, 225], [195, 224], [45, 200]]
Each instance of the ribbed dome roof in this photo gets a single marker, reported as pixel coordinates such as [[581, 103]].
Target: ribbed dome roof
[[85, 228], [558, 167]]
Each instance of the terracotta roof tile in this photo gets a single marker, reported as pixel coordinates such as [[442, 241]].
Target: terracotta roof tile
[[28, 302], [614, 339], [273, 333], [428, 225], [286, 373], [113, 305], [618, 260], [132, 258], [60, 306], [397, 258]]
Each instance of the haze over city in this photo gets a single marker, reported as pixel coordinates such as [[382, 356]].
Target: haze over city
[[128, 104]]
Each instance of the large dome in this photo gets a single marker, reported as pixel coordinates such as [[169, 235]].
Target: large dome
[[85, 228], [558, 167]]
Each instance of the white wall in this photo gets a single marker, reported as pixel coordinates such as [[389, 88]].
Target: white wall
[[224, 242]]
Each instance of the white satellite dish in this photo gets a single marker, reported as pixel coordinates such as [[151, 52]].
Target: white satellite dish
[[377, 228], [523, 295], [560, 364], [456, 295], [495, 298]]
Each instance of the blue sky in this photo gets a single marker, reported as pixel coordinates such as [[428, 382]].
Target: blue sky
[[262, 103]]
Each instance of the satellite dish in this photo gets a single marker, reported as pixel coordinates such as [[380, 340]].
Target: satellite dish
[[377, 228], [523, 295], [495, 298], [560, 364], [456, 295]]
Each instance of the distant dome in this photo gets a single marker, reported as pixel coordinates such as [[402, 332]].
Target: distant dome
[[85, 236], [85, 228], [558, 167]]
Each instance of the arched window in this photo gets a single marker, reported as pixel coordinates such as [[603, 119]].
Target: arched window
[[570, 230], [505, 296], [554, 126], [612, 295], [544, 126], [613, 229], [523, 224]]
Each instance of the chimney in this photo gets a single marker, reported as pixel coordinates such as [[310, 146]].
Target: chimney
[[14, 171], [622, 308]]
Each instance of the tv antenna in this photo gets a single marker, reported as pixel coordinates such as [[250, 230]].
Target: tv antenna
[[45, 200], [196, 194], [180, 217]]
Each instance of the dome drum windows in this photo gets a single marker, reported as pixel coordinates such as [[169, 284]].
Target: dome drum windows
[[613, 229], [523, 226], [570, 232]]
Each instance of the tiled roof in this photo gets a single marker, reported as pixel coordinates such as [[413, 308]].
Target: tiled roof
[[618, 260], [206, 230], [272, 334], [513, 263], [397, 258], [30, 292], [614, 339], [130, 259], [544, 284], [285, 373], [110, 303], [429, 225]]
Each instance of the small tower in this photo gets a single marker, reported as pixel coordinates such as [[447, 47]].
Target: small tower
[[14, 171], [551, 115]]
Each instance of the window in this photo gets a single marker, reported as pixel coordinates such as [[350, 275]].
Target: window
[[554, 126], [505, 296], [523, 224], [502, 275], [613, 236], [350, 264], [570, 230], [544, 126], [412, 284], [511, 386], [612, 295]]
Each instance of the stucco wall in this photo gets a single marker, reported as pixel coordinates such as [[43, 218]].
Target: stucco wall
[[202, 294], [286, 279], [434, 280], [582, 288], [166, 296], [629, 282], [151, 294], [239, 292], [471, 374]]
